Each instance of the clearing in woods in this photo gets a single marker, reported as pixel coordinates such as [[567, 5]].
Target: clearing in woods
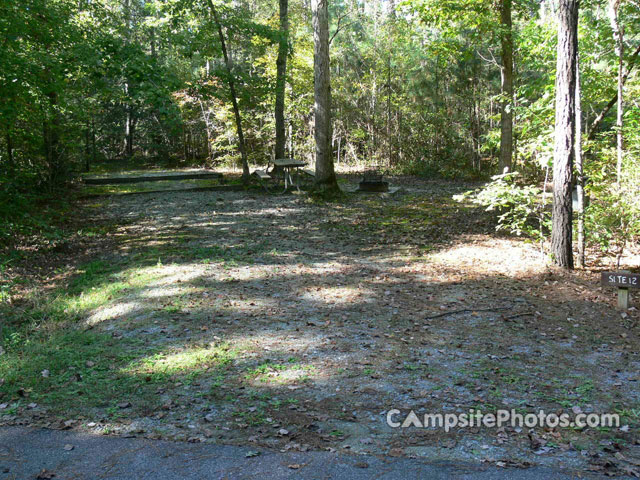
[[276, 321]]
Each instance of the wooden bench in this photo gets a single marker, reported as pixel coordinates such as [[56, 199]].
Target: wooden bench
[[262, 174], [263, 177], [309, 172], [161, 177]]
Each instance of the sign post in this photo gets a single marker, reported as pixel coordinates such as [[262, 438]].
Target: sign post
[[624, 280]]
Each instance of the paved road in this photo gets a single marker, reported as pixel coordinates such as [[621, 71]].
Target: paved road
[[24, 453]]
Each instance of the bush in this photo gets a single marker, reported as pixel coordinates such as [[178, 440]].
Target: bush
[[26, 209], [520, 207]]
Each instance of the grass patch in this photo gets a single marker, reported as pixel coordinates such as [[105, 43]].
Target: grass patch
[[69, 371], [52, 360], [280, 372], [153, 186]]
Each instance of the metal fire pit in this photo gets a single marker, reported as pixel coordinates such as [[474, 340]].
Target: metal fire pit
[[373, 181]]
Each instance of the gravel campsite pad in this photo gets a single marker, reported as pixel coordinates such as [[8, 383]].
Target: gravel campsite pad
[[276, 321]]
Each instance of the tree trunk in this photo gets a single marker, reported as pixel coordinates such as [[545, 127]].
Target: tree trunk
[[128, 134], [598, 120], [389, 161], [93, 140], [579, 169], [325, 174], [51, 139], [281, 78], [506, 86], [234, 98], [565, 133], [10, 160], [87, 148], [614, 7]]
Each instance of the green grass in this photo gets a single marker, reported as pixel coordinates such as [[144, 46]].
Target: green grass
[[70, 383], [149, 186], [53, 358]]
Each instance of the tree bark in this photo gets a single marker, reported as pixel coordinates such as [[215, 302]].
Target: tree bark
[[128, 132], [10, 160], [93, 140], [87, 148], [614, 7], [579, 169], [506, 86], [232, 91], [325, 174], [565, 133], [281, 78]]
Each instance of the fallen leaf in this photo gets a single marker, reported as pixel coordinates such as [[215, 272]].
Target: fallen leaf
[[396, 452], [45, 475]]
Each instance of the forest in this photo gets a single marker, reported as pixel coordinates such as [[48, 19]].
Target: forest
[[458, 90], [158, 280]]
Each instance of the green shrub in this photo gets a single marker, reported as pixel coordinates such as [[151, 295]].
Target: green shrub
[[520, 207]]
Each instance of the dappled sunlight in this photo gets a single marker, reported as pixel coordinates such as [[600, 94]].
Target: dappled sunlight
[[117, 311], [225, 331], [163, 290], [182, 361], [172, 274], [494, 255], [338, 295]]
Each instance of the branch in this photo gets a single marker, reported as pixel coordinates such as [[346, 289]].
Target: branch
[[466, 310], [338, 29], [492, 60], [598, 120]]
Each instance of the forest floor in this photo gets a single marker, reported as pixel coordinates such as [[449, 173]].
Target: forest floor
[[280, 322]]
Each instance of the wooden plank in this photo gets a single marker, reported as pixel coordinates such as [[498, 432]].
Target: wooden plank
[[289, 162], [623, 298], [150, 178], [620, 279], [308, 171], [215, 188]]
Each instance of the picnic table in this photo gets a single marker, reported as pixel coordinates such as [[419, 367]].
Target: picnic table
[[289, 165]]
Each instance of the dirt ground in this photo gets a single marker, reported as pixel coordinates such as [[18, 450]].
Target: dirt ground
[[280, 322]]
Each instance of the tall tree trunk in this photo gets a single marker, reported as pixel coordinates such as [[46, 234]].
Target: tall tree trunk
[[579, 169], [51, 137], [325, 174], [565, 133], [389, 161], [87, 148], [93, 140], [598, 120], [614, 7], [232, 91], [281, 78], [10, 160], [506, 86], [128, 132], [128, 121]]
